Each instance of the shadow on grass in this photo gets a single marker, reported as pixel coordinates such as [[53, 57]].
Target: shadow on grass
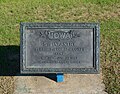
[[10, 63]]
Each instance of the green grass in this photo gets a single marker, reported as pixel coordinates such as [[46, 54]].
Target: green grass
[[106, 12]]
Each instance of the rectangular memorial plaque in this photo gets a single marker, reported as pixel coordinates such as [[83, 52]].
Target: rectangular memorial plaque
[[59, 48]]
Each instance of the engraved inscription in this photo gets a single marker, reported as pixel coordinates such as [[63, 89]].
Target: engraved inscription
[[62, 35], [55, 48], [58, 44], [59, 34]]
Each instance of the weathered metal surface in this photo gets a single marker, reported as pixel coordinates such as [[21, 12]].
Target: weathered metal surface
[[59, 48]]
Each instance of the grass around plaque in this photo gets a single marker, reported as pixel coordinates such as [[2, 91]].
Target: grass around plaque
[[107, 12]]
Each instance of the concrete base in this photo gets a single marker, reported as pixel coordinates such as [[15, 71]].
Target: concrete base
[[73, 84]]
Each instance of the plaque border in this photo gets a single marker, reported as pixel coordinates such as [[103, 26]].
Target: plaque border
[[96, 45]]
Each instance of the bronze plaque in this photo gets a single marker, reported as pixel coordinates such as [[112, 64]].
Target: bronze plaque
[[59, 48]]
